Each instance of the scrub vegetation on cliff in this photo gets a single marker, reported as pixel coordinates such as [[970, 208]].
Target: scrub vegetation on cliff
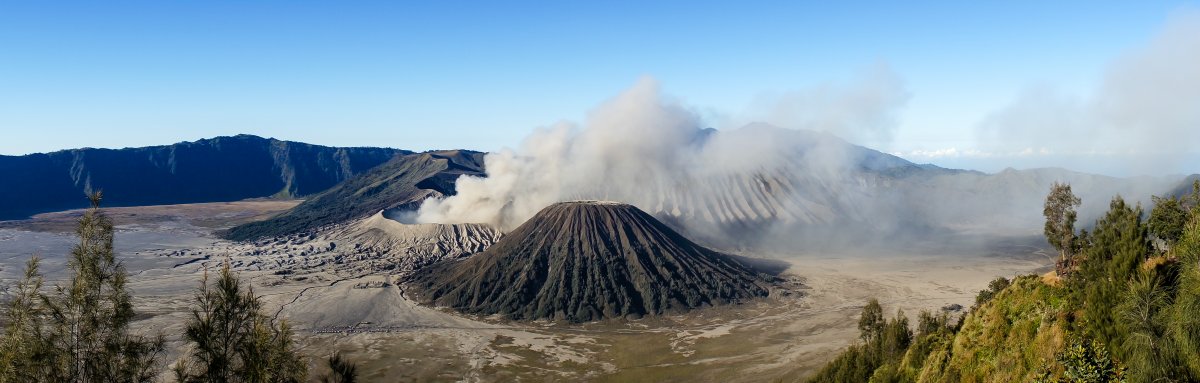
[[1120, 307]]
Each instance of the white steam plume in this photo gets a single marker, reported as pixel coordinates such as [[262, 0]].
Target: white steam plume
[[861, 112], [648, 150]]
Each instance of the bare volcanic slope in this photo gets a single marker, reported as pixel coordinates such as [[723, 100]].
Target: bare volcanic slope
[[413, 246], [587, 260], [399, 184]]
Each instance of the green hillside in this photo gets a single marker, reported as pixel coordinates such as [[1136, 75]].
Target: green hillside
[[1124, 308]]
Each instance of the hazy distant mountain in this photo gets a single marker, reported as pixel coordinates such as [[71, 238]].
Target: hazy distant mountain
[[1185, 187], [399, 184], [208, 170], [817, 191]]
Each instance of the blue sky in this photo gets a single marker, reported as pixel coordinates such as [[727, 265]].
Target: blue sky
[[423, 75]]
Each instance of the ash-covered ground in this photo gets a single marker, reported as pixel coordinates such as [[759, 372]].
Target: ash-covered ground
[[338, 287]]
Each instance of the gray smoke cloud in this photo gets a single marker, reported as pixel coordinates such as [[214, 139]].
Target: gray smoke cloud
[[1146, 109], [762, 187], [650, 150], [777, 176]]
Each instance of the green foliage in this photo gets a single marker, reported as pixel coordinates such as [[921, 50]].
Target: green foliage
[[1183, 323], [1089, 362], [994, 287], [1191, 203], [1126, 309], [928, 356], [870, 323], [1119, 245], [1167, 219], [80, 332], [928, 323], [234, 341], [1142, 317], [983, 297], [1156, 330], [896, 337], [999, 284], [24, 342], [878, 357], [1187, 249], [1060, 218], [856, 364], [1007, 338], [1179, 321]]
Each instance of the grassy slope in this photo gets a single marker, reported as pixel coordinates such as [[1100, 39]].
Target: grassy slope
[[1007, 339], [1013, 337]]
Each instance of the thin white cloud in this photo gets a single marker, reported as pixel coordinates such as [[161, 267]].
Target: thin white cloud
[[934, 154], [1148, 103], [862, 111]]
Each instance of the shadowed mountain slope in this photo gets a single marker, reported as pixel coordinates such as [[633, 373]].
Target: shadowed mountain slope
[[587, 260], [208, 170], [399, 184], [1184, 188]]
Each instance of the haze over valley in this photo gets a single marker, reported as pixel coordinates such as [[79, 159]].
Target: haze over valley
[[750, 193], [817, 226]]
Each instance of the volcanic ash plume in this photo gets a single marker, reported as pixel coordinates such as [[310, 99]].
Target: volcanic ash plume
[[650, 151]]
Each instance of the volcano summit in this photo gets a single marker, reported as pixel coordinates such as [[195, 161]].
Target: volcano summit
[[589, 260]]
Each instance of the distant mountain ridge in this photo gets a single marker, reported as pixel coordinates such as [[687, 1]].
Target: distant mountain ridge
[[225, 168], [802, 199], [400, 184], [797, 200], [1185, 187], [813, 190]]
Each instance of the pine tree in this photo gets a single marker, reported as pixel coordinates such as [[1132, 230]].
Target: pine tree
[[23, 346], [1183, 325], [90, 317], [1149, 352], [1119, 244], [80, 332], [234, 341]]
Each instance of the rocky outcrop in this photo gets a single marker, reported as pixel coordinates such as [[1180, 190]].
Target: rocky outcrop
[[413, 246]]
